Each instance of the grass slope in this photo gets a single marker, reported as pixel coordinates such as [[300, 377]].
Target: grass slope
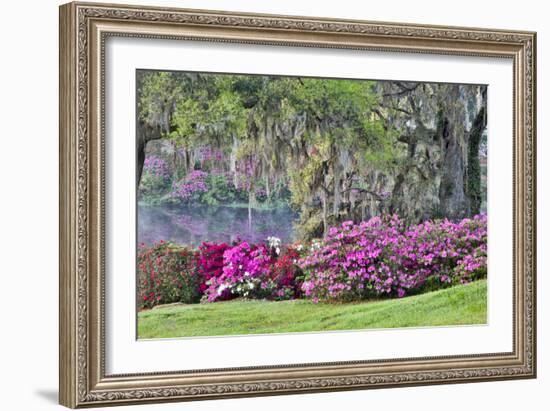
[[459, 305]]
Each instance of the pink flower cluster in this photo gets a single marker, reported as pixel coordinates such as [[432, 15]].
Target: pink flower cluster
[[208, 153], [245, 267], [383, 256], [254, 271], [194, 182], [246, 170], [156, 167]]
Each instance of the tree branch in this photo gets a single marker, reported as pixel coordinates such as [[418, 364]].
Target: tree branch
[[365, 191]]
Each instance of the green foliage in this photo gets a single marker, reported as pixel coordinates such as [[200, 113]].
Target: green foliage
[[151, 184], [310, 225], [382, 152], [157, 93], [167, 274], [219, 191]]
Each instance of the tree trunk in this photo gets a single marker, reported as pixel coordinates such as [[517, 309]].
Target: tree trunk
[[251, 200], [140, 161], [351, 203], [336, 203], [453, 201], [233, 160], [145, 133], [249, 212], [474, 169], [267, 189], [325, 223]]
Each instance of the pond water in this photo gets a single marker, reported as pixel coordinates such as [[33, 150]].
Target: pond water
[[191, 225]]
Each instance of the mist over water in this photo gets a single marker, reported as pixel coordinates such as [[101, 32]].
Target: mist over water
[[192, 225]]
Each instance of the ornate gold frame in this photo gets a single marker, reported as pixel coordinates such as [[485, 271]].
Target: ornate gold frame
[[83, 30]]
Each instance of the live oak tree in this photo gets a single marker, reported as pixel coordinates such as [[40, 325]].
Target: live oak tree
[[343, 149]]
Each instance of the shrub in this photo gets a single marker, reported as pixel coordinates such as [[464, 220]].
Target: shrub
[[190, 187], [167, 274], [204, 187], [262, 271], [156, 166], [155, 178], [379, 257], [384, 257], [210, 262], [245, 273], [287, 275], [219, 190]]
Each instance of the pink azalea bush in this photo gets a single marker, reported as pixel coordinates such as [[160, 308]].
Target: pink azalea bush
[[262, 271], [384, 257], [246, 273], [193, 183], [156, 166], [156, 177]]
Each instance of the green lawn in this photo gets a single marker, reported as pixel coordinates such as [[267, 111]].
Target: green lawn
[[459, 305]]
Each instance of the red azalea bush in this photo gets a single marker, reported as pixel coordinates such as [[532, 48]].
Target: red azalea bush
[[287, 275], [167, 274]]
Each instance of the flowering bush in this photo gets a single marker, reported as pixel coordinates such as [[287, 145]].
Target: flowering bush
[[245, 273], [167, 274], [210, 154], [156, 177], [379, 257], [384, 257], [193, 183], [287, 275], [156, 166], [256, 271], [210, 262]]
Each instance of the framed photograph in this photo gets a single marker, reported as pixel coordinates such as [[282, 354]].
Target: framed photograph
[[260, 205]]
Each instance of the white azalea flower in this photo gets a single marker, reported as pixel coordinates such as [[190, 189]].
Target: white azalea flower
[[274, 242], [221, 288]]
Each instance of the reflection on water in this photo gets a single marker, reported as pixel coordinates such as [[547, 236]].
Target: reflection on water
[[191, 225]]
